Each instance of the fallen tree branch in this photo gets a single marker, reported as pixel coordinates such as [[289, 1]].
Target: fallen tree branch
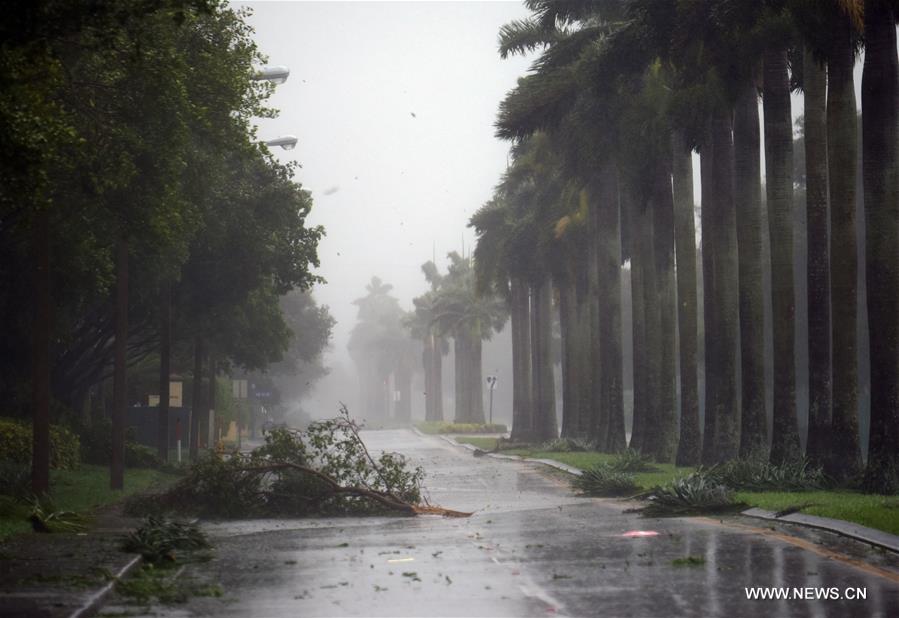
[[383, 498]]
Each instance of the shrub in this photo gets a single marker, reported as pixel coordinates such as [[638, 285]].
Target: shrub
[[96, 449], [694, 494], [566, 445], [758, 474], [15, 479], [602, 480], [631, 460], [140, 456], [16, 442]]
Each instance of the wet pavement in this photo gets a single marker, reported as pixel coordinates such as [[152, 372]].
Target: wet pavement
[[532, 548]]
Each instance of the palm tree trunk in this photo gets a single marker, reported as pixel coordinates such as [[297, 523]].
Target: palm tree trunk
[[437, 378], [842, 153], [427, 364], [611, 433], [819, 384], [880, 154], [720, 291], [779, 186], [545, 427], [461, 356], [475, 379], [748, 206], [568, 325], [638, 316], [522, 420], [688, 447], [209, 408], [652, 352], [662, 212]]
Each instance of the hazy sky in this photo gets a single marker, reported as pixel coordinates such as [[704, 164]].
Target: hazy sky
[[390, 188]]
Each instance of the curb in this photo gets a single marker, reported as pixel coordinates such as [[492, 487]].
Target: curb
[[857, 532], [95, 601]]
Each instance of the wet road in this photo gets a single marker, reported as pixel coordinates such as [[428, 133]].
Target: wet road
[[531, 549]]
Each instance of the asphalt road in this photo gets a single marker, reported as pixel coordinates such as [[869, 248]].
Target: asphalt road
[[532, 548]]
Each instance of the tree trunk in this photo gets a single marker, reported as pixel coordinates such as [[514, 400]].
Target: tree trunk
[[545, 427], [522, 419], [819, 385], [404, 386], [842, 152], [120, 392], [40, 356], [645, 255], [638, 317], [570, 369], [779, 187], [427, 364], [437, 378], [748, 208], [880, 153], [662, 213], [720, 292], [689, 445], [461, 354], [475, 378], [165, 372], [196, 404], [611, 435]]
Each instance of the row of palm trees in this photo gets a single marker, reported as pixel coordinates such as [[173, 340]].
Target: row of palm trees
[[603, 129]]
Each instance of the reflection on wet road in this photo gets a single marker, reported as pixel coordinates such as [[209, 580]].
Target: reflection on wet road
[[531, 549]]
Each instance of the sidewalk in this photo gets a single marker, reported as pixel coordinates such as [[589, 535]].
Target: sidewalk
[[64, 575]]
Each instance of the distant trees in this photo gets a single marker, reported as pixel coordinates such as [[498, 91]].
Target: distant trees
[[603, 129]]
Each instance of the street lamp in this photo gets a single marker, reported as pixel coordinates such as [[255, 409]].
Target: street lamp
[[491, 380], [276, 74], [287, 142]]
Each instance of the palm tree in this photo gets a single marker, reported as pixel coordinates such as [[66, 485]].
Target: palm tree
[[819, 346], [842, 153], [779, 187], [880, 155], [470, 318], [423, 326]]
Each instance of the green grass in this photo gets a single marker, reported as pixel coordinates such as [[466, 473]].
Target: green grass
[[874, 511], [82, 491], [443, 427], [879, 512]]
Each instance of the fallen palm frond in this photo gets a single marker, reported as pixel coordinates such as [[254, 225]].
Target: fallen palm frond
[[695, 494], [601, 480], [45, 518]]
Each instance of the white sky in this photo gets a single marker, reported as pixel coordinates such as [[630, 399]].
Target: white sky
[[406, 186]]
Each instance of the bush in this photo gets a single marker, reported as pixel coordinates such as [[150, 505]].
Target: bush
[[602, 480], [566, 445], [632, 460], [758, 474], [96, 449], [15, 479], [694, 494], [16, 442], [140, 456]]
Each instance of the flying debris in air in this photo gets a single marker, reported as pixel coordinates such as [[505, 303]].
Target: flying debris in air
[[331, 191], [413, 114]]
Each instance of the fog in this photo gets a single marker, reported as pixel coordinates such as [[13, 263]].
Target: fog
[[393, 104]]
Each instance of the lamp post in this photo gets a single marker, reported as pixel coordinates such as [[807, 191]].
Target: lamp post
[[491, 380]]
